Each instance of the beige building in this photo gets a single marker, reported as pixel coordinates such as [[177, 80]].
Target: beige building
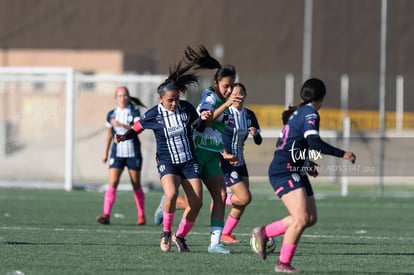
[[263, 39]]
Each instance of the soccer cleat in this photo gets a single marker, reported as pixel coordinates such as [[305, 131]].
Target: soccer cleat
[[218, 248], [261, 238], [229, 238], [141, 220], [180, 243], [158, 212], [165, 243], [103, 219], [286, 268]]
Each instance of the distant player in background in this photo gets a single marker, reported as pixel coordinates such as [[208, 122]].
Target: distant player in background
[[240, 124], [287, 173], [172, 122], [128, 154]]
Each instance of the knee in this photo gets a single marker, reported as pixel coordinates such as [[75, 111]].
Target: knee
[[245, 199], [300, 222], [171, 197], [196, 204], [248, 199]]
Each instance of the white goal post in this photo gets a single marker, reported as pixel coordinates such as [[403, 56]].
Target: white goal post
[[8, 74], [17, 84]]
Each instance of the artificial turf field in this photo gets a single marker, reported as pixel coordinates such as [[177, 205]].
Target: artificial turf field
[[55, 232]]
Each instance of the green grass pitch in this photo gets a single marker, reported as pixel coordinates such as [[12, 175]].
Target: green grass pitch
[[55, 232]]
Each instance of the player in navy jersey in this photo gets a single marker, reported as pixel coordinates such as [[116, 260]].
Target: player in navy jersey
[[298, 146], [241, 122], [118, 121], [172, 121], [208, 143]]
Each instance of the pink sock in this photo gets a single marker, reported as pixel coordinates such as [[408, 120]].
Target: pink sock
[[228, 199], [287, 251], [109, 200], [231, 223], [275, 229], [167, 221], [184, 227], [139, 197]]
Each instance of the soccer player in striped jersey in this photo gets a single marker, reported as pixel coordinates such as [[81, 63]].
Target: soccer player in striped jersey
[[240, 124], [298, 146], [128, 154], [208, 143], [172, 121]]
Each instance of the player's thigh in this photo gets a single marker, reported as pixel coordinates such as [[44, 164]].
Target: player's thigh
[[135, 177], [170, 184], [114, 176], [296, 202]]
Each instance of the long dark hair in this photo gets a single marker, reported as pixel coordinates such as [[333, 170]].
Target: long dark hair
[[312, 90], [200, 58], [178, 79]]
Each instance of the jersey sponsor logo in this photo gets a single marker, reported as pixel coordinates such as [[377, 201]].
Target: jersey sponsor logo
[[210, 141], [298, 154], [175, 130]]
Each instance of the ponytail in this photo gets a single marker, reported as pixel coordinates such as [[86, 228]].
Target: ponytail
[[312, 90], [178, 79], [136, 102], [200, 58]]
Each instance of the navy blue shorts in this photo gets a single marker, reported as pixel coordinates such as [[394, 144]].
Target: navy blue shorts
[[233, 174], [285, 183], [133, 163], [186, 170]]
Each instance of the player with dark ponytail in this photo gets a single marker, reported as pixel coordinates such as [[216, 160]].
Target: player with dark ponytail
[[172, 121], [288, 170], [209, 143]]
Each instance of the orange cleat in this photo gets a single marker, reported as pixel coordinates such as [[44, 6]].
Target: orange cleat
[[229, 238], [141, 220]]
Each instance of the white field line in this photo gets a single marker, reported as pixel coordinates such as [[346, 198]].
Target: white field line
[[109, 231]]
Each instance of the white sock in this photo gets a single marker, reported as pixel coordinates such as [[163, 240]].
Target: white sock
[[215, 235]]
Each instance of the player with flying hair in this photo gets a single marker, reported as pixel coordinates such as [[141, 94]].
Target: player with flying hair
[[209, 143], [172, 120], [118, 121], [288, 173]]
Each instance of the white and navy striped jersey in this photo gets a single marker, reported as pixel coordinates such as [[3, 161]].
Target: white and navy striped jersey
[[128, 115], [172, 131], [237, 131]]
